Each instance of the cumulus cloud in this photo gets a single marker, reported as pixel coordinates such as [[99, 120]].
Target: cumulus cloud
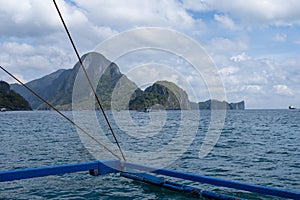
[[252, 88], [123, 14], [283, 90], [228, 70], [31, 18], [225, 21], [226, 45], [240, 57], [257, 78], [36, 21], [33, 61], [255, 12], [17, 48], [199, 5]]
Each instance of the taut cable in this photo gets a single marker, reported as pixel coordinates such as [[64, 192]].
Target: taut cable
[[90, 83], [59, 112]]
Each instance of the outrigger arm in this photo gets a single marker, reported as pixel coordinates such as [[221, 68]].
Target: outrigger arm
[[141, 173]]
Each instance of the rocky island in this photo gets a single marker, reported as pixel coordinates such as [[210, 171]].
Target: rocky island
[[161, 95], [217, 105]]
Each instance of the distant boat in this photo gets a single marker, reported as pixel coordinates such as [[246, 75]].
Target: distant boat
[[3, 109], [292, 107]]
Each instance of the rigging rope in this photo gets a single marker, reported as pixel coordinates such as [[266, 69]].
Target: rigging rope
[[89, 81], [63, 115]]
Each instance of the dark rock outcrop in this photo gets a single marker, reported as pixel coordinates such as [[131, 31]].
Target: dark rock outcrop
[[10, 100], [4, 88]]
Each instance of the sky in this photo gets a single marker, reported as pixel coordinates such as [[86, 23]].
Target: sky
[[255, 45]]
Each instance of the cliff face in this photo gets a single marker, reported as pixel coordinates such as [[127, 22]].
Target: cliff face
[[57, 87], [44, 86], [161, 95], [11, 100], [114, 83], [237, 106], [4, 88]]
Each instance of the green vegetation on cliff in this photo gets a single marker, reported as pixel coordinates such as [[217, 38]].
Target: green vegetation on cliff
[[11, 100], [161, 95]]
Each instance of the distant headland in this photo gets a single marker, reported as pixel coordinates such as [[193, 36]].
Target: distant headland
[[218, 105]]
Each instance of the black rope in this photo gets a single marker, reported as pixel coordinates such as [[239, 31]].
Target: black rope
[[90, 83], [63, 115]]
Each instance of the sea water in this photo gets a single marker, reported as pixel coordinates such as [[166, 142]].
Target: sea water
[[255, 146]]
